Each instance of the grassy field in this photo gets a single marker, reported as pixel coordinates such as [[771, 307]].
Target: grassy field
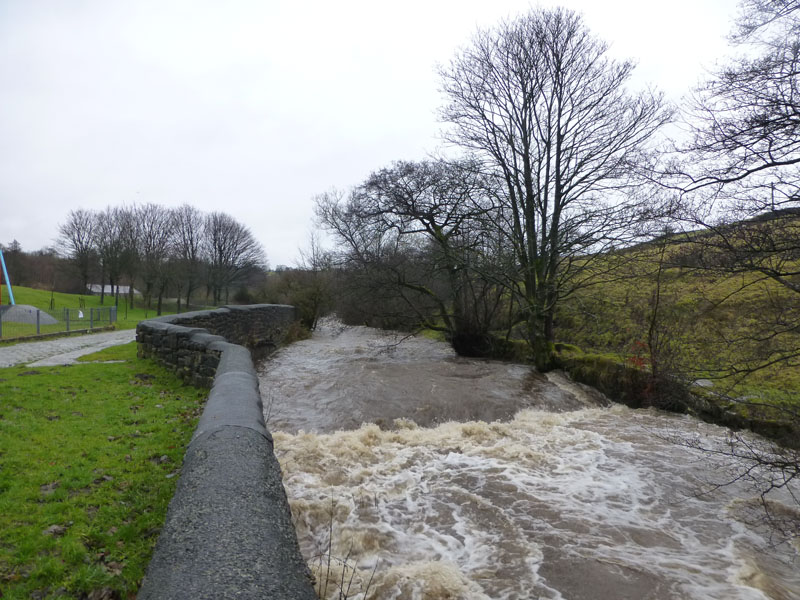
[[89, 457], [127, 317]]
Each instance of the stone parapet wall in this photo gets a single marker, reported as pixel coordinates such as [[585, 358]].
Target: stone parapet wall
[[191, 344], [228, 531]]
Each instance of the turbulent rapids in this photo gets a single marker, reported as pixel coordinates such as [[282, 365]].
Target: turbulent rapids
[[420, 475]]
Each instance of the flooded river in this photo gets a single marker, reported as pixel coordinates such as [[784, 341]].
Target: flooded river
[[415, 474]]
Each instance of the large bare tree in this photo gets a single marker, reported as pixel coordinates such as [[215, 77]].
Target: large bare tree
[[540, 101], [131, 247], [109, 240], [739, 178], [231, 251]]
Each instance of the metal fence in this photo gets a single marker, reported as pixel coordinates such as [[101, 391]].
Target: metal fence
[[22, 321]]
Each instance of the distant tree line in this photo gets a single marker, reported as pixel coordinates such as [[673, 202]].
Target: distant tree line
[[175, 251], [44, 267]]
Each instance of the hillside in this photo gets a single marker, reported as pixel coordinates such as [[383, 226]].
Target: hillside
[[705, 308]]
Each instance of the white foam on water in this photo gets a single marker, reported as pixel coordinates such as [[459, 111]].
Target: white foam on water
[[498, 502]]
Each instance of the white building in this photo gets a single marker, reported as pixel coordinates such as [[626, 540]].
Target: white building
[[94, 288]]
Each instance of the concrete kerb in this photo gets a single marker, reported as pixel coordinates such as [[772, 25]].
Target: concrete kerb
[[228, 531]]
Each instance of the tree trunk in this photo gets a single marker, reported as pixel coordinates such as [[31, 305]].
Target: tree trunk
[[189, 290], [541, 345], [102, 284], [160, 300]]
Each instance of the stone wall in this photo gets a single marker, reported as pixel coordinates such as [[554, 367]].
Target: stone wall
[[192, 343], [228, 531]]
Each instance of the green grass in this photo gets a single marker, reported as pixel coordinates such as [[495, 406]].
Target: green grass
[[708, 322], [112, 353], [88, 461], [430, 334], [127, 318]]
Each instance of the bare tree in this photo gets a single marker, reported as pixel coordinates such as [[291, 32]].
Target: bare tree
[[76, 238], [231, 251], [744, 155], [538, 99], [420, 229], [189, 223], [110, 243], [757, 16], [316, 265], [309, 287], [739, 177], [131, 249], [365, 284], [448, 204], [365, 288], [155, 226]]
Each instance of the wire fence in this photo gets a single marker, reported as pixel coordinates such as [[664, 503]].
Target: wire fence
[[23, 321]]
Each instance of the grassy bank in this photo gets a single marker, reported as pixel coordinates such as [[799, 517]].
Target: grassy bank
[[704, 323], [127, 317], [730, 338], [89, 456]]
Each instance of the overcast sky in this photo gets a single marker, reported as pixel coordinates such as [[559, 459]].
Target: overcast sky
[[253, 107]]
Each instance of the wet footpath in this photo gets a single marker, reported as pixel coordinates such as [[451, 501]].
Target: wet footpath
[[61, 351]]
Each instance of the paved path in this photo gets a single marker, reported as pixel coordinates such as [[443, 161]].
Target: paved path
[[62, 351]]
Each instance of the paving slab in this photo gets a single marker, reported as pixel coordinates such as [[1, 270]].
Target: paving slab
[[62, 351]]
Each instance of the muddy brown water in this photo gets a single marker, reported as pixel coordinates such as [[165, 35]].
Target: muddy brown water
[[422, 475]]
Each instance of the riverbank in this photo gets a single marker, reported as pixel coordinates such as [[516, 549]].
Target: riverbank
[[634, 386]]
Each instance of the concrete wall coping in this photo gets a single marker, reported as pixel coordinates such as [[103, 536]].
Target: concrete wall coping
[[228, 531]]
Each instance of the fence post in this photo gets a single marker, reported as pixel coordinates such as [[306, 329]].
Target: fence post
[[91, 318], [67, 310], [1, 325], [38, 314]]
